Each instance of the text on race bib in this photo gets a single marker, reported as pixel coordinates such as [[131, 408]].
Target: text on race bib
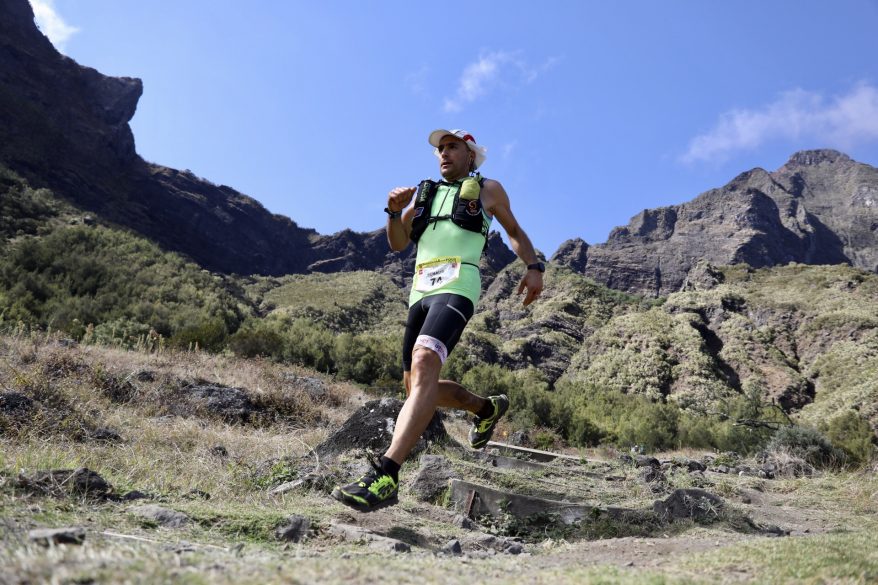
[[436, 273]]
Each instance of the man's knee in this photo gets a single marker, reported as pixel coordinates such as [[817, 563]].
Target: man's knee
[[435, 346], [424, 360]]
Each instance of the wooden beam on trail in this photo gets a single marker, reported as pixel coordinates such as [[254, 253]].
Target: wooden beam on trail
[[477, 500], [514, 463], [536, 454], [502, 462]]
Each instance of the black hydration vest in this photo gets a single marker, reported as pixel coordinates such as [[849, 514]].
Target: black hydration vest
[[467, 213]]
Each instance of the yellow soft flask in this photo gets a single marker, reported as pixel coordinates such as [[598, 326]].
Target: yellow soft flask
[[470, 188]]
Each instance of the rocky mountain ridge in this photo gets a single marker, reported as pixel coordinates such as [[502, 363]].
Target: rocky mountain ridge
[[65, 127], [821, 207]]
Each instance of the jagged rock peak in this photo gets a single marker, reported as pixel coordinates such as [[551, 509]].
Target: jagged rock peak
[[816, 157], [572, 253]]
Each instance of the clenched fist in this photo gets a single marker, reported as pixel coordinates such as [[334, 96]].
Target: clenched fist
[[399, 198]]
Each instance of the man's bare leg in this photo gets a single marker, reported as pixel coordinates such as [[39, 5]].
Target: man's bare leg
[[425, 394], [452, 395]]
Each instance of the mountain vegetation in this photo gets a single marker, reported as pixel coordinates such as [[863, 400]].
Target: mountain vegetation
[[722, 365], [179, 338]]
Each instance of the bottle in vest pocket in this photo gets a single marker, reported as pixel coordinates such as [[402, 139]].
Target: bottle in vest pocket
[[425, 190], [470, 189]]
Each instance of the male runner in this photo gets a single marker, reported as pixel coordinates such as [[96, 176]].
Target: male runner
[[449, 222]]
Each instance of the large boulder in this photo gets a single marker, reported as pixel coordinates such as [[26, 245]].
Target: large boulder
[[371, 427], [432, 478]]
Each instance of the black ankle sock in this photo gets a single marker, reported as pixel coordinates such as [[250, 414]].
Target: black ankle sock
[[487, 410], [390, 467]]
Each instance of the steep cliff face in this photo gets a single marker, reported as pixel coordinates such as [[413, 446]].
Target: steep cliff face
[[65, 127], [821, 207], [55, 115]]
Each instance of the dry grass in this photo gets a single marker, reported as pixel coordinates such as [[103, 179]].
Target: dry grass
[[230, 539]]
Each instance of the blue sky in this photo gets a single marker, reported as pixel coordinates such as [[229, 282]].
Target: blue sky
[[591, 111]]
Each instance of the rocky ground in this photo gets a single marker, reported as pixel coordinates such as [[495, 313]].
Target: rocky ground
[[128, 467]]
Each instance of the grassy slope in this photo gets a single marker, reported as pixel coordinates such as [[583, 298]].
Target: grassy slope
[[778, 329], [231, 537], [354, 302], [59, 270]]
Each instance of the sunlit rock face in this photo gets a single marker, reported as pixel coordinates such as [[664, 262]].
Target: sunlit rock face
[[821, 207]]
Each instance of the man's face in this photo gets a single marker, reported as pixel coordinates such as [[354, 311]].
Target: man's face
[[455, 158]]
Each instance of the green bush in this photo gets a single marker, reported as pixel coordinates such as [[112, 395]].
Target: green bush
[[490, 379], [367, 358], [808, 444], [23, 211], [307, 344], [743, 423], [853, 434], [209, 335], [119, 332], [593, 415], [650, 424], [257, 339], [588, 415]]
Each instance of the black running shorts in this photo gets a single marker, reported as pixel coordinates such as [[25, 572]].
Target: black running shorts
[[435, 322]]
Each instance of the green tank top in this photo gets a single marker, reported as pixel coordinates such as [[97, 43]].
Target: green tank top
[[443, 240]]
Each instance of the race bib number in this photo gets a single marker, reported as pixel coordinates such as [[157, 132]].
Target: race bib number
[[437, 273]]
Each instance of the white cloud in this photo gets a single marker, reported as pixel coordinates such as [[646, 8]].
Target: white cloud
[[491, 71], [52, 25], [417, 81], [841, 121], [509, 148]]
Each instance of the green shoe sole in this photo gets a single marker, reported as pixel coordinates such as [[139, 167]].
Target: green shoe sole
[[348, 501]]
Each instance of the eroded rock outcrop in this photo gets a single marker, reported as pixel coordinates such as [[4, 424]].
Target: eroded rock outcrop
[[821, 207]]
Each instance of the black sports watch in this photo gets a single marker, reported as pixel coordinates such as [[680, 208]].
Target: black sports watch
[[537, 266], [392, 214]]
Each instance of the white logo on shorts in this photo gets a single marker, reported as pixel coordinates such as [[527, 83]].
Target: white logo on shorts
[[434, 344]]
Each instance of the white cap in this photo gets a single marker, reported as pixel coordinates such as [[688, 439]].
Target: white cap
[[481, 151]]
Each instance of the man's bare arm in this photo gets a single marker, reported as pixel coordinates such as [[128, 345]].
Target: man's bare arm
[[496, 201], [399, 229]]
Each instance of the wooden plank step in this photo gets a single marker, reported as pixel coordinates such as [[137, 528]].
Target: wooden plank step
[[536, 454], [503, 462], [516, 464], [476, 500]]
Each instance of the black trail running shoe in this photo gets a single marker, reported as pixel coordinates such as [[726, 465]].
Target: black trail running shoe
[[482, 429], [374, 490]]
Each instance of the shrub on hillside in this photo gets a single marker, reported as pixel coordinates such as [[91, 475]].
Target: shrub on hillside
[[742, 423], [308, 344], [118, 332], [209, 334], [94, 275], [808, 444], [367, 358], [853, 434], [23, 211], [588, 415], [256, 339], [593, 415]]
